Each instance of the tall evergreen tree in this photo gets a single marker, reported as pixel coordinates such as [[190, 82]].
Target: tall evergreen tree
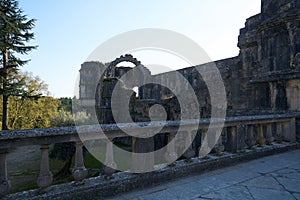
[[15, 33]]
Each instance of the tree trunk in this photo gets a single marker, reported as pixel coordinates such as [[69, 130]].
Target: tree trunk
[[5, 113], [5, 96]]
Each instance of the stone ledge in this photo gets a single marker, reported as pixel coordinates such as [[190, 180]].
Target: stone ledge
[[96, 128], [99, 187]]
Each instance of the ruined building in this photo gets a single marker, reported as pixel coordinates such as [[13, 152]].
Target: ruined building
[[263, 78]]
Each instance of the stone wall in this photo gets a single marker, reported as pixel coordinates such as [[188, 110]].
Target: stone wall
[[263, 78]]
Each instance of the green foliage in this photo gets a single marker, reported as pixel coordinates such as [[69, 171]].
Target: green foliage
[[31, 111], [65, 104], [63, 118], [15, 33]]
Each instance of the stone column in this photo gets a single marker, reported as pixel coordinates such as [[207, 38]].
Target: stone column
[[250, 140], [289, 130], [79, 171], [45, 177], [4, 182], [171, 154], [241, 137], [269, 135], [232, 139], [189, 153], [279, 132], [211, 141], [204, 149], [219, 147], [110, 165], [260, 139], [143, 154]]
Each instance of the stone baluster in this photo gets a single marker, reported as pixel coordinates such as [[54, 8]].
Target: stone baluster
[[189, 153], [204, 149], [250, 140], [143, 154], [241, 137], [4, 182], [289, 130], [79, 171], [279, 132], [171, 154], [45, 177], [232, 139], [293, 134], [219, 147], [260, 139], [269, 135], [110, 165]]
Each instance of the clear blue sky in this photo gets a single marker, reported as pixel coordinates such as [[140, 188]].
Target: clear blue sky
[[68, 31]]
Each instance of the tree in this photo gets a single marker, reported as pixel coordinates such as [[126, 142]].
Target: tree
[[31, 113], [65, 104], [35, 110], [15, 33]]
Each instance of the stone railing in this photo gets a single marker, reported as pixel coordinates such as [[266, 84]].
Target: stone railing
[[238, 134]]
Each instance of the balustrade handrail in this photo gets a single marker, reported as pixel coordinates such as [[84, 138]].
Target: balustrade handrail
[[239, 135], [39, 136]]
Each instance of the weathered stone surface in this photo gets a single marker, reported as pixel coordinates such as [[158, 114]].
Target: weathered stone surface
[[292, 185], [264, 182], [99, 187], [262, 80], [265, 76], [231, 193], [260, 193]]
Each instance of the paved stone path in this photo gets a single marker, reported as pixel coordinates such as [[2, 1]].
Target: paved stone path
[[274, 177]]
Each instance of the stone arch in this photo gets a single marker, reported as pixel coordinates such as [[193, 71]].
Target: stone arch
[[107, 82], [110, 71]]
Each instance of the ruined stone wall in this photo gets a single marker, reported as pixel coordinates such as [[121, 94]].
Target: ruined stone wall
[[263, 78], [229, 69], [269, 45], [90, 74]]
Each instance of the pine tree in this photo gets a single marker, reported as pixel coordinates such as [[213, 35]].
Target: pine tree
[[15, 33]]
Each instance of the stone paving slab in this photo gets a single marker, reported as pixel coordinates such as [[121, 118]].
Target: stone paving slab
[[274, 177], [267, 182], [262, 193]]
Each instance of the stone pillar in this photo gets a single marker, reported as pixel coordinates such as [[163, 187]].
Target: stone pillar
[[250, 140], [143, 154], [232, 139], [241, 137], [269, 134], [110, 165], [289, 130], [45, 177], [279, 132], [4, 182], [260, 139], [204, 144], [171, 154], [219, 147], [189, 153], [79, 171]]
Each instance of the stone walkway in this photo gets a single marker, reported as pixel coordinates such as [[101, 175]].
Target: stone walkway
[[273, 177]]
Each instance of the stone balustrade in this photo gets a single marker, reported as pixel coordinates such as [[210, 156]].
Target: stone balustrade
[[238, 134]]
